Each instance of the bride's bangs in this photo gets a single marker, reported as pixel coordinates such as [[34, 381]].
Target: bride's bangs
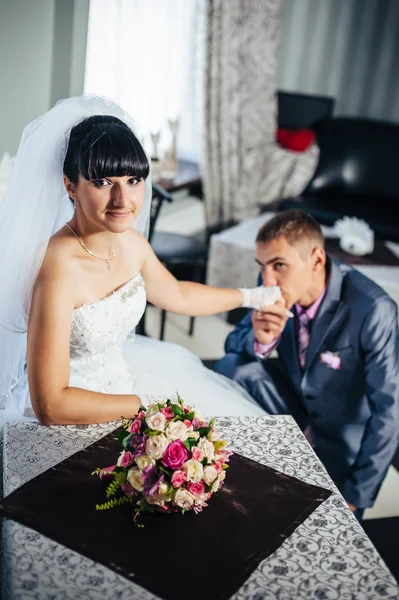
[[114, 152]]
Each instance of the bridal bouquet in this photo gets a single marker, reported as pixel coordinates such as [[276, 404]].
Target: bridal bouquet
[[172, 461]]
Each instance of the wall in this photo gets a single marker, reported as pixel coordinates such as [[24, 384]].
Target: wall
[[348, 49], [26, 39], [42, 58]]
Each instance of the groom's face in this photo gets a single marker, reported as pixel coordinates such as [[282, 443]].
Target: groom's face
[[295, 269]]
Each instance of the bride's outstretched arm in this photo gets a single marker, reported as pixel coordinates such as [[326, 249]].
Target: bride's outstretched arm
[[54, 402], [188, 298]]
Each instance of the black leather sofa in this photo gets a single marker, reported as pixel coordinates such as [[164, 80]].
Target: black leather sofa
[[357, 175]]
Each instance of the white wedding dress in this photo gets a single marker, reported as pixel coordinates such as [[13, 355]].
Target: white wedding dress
[[106, 357]]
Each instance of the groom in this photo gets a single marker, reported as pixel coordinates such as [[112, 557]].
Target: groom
[[337, 370]]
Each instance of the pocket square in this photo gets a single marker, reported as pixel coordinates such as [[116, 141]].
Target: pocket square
[[331, 359]]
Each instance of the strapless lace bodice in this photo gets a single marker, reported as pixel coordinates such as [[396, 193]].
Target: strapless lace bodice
[[97, 334], [106, 356]]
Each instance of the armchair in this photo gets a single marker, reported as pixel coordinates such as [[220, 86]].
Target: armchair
[[357, 176]]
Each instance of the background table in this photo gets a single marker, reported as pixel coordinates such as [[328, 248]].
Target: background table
[[328, 557], [232, 263]]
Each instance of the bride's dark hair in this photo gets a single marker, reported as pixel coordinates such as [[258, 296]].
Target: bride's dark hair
[[104, 146]]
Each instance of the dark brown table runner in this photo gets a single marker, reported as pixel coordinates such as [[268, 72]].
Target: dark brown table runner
[[174, 556], [381, 254]]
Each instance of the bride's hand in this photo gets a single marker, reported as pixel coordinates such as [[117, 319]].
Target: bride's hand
[[269, 323], [260, 296]]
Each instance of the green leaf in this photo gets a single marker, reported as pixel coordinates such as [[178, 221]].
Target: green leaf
[[204, 461], [224, 467], [152, 432], [190, 416], [192, 442], [121, 434], [165, 470], [126, 440], [203, 431], [177, 411]]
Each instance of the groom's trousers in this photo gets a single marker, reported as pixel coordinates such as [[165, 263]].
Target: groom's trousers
[[266, 382]]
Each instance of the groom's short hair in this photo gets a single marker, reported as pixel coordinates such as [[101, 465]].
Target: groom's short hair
[[296, 226]]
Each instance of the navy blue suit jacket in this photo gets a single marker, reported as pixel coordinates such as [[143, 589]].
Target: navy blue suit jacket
[[353, 411]]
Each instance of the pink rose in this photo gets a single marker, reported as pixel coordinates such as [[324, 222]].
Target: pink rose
[[178, 478], [187, 422], [175, 455], [218, 466], [106, 471], [186, 410], [125, 459], [167, 412], [197, 454], [136, 425], [196, 488]]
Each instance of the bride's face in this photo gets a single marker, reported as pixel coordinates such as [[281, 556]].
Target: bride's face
[[112, 202], [297, 270]]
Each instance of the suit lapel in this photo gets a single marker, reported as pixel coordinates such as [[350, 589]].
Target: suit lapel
[[329, 310]]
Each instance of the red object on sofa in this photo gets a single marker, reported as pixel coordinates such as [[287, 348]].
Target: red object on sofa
[[297, 140]]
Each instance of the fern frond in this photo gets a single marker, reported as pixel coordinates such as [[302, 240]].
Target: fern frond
[[112, 488], [114, 502]]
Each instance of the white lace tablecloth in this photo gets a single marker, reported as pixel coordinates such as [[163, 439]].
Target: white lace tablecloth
[[232, 263], [328, 557]]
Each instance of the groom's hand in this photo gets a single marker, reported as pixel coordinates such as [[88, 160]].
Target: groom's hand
[[269, 323]]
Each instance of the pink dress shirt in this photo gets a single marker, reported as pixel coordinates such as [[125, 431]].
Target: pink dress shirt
[[264, 350]]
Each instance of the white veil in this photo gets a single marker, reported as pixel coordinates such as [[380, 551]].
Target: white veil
[[34, 206]]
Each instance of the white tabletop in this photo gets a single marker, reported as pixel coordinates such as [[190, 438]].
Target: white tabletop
[[232, 263], [328, 556]]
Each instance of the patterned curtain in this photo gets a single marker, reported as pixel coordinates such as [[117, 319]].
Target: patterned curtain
[[240, 106]]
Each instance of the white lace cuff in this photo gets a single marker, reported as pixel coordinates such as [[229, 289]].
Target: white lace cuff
[[146, 400], [260, 296]]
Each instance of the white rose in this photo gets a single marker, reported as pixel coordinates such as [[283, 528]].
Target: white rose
[[202, 499], [162, 493], [183, 499], [177, 430], [215, 486], [209, 475], [207, 448], [134, 478], [194, 470], [193, 434], [144, 461], [156, 421], [156, 446], [197, 415], [213, 436], [160, 497], [222, 476], [155, 500]]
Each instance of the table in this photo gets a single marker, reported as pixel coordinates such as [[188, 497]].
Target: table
[[232, 263], [329, 556], [187, 177]]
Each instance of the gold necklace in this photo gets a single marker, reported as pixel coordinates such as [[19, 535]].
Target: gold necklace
[[107, 260]]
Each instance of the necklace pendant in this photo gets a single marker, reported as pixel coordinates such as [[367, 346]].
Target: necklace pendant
[[109, 264]]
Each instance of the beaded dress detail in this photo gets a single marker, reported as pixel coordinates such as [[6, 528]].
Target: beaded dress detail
[[98, 332]]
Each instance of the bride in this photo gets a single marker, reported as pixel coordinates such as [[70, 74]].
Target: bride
[[77, 272]]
